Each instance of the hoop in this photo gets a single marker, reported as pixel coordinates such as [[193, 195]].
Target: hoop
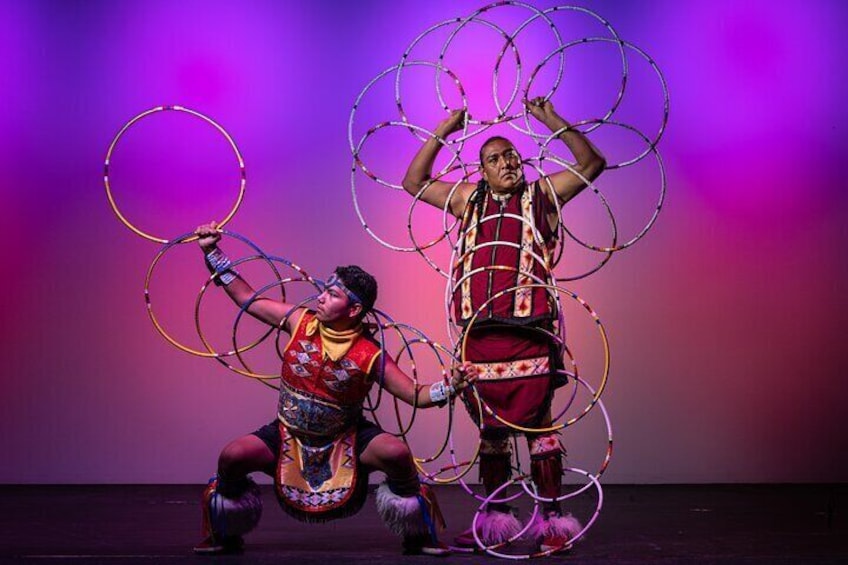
[[604, 376], [210, 121], [185, 238]]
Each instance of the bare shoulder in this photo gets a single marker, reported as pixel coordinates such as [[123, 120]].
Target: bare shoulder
[[461, 197], [546, 184]]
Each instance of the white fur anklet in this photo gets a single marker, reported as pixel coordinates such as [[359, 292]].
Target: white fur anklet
[[496, 527], [565, 526], [402, 514]]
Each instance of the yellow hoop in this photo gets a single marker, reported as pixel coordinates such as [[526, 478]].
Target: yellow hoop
[[122, 218]]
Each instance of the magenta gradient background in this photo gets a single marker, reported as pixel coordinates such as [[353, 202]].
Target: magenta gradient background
[[727, 321]]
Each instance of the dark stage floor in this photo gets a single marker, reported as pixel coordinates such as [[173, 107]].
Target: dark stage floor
[[638, 524]]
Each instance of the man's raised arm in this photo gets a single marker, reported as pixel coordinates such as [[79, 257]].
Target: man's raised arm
[[590, 162], [420, 170]]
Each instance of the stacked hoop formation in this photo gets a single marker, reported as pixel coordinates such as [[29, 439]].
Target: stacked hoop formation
[[284, 274], [461, 167]]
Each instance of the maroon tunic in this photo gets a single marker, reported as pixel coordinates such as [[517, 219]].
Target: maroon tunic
[[523, 258], [513, 355]]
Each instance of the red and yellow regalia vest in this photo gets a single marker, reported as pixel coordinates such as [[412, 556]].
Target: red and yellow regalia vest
[[525, 257], [319, 408]]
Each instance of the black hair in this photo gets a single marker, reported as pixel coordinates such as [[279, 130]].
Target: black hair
[[491, 140], [361, 283]]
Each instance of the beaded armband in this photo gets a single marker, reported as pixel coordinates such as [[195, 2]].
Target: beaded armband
[[219, 263]]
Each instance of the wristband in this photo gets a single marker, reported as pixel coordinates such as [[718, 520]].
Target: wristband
[[440, 392], [219, 263]]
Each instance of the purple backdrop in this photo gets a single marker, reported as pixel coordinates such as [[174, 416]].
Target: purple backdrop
[[724, 321]]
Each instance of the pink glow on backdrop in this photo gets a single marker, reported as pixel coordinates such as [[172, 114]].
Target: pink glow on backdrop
[[785, 89], [725, 321]]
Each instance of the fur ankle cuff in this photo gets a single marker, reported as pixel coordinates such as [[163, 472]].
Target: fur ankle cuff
[[565, 526]]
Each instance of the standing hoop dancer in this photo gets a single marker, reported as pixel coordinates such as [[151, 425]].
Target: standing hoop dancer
[[506, 225], [320, 448]]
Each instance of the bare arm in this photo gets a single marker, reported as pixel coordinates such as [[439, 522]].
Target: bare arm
[[400, 385], [590, 161], [419, 173], [272, 312]]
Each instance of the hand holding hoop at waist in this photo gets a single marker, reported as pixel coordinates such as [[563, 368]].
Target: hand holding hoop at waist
[[465, 376]]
